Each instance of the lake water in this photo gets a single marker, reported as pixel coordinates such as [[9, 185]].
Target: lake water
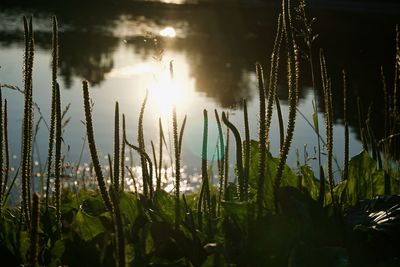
[[125, 51]]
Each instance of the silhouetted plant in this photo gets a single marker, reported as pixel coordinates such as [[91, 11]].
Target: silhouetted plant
[[346, 130], [262, 134], [273, 76], [142, 153], [116, 149], [293, 85], [6, 150], [326, 85], [26, 165], [147, 184], [34, 235], [118, 227], [239, 159], [204, 195], [58, 162], [221, 160], [92, 147], [177, 165], [246, 149], [122, 157], [1, 148]]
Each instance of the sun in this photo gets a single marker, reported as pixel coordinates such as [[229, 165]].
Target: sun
[[168, 32]]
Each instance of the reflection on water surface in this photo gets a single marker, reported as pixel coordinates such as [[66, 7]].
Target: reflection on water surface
[[124, 53]]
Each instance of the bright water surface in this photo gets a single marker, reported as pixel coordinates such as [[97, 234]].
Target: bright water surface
[[124, 52]]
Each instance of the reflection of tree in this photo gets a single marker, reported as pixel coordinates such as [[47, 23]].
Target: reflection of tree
[[86, 55], [222, 46]]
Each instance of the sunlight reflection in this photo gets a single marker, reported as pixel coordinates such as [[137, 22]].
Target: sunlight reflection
[[168, 32], [165, 93]]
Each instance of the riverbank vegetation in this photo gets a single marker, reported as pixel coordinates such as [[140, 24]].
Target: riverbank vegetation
[[264, 214]]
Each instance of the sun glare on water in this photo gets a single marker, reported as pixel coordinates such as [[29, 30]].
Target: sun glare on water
[[168, 32], [165, 93]]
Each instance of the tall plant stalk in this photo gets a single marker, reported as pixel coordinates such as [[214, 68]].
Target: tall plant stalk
[[58, 162], [6, 150], [147, 185], [158, 183], [262, 141], [118, 227], [34, 235], [226, 160], [293, 85], [116, 149], [26, 164], [273, 76], [239, 159], [346, 130], [54, 67], [326, 84], [92, 147], [177, 166], [1, 148], [221, 159], [122, 157], [204, 196], [246, 149]]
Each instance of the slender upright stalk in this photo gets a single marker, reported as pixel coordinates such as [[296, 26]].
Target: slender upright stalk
[[273, 76], [92, 147], [118, 227], [141, 143], [58, 163], [226, 160], [293, 85], [220, 159], [1, 148], [52, 130], [122, 156], [116, 148], [27, 121], [153, 150], [177, 166], [239, 159], [158, 183], [246, 149], [346, 130], [262, 141], [6, 147], [144, 155], [34, 235], [326, 84], [280, 122]]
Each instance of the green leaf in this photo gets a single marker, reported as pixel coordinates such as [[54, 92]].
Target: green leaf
[[240, 212], [164, 204], [87, 227], [315, 121], [309, 182], [364, 182], [130, 206], [56, 253], [289, 178]]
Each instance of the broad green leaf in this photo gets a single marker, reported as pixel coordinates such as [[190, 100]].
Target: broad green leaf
[[288, 178], [87, 227], [164, 204], [56, 253], [309, 182], [364, 181], [241, 212], [129, 206]]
